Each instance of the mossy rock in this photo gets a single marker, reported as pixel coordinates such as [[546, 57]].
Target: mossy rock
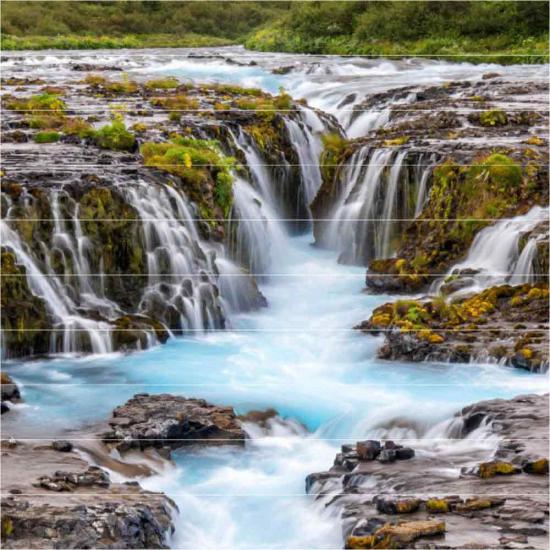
[[25, 319]]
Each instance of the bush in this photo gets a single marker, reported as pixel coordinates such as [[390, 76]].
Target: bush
[[47, 137], [115, 136]]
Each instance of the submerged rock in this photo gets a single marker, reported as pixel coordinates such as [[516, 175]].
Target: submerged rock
[[171, 421]]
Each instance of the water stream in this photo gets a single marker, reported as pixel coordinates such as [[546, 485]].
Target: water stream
[[299, 355]]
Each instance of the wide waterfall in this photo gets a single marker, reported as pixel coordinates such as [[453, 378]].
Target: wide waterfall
[[381, 191]]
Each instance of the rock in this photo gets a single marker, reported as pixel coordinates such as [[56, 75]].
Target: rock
[[9, 389], [62, 446], [404, 453], [397, 535], [69, 481], [103, 523], [368, 450], [538, 466], [387, 455], [476, 504], [487, 470], [397, 506], [409, 531], [258, 417], [171, 421]]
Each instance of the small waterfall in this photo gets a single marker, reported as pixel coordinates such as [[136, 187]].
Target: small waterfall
[[495, 255], [304, 135], [77, 332], [378, 193]]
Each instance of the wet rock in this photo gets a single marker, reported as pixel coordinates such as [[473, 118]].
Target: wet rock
[[69, 481], [537, 467], [476, 504], [397, 535], [397, 506], [105, 523], [368, 450], [165, 420], [258, 417], [497, 468], [62, 446]]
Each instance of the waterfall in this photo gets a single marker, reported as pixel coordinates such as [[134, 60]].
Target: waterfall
[[494, 255], [375, 197], [304, 135], [179, 285], [75, 330]]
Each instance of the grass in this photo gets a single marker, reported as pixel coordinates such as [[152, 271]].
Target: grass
[[47, 137], [76, 42]]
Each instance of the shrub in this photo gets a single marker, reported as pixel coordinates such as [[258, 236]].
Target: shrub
[[47, 137], [115, 136]]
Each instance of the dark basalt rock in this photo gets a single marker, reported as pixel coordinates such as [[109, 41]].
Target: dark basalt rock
[[165, 420], [106, 523]]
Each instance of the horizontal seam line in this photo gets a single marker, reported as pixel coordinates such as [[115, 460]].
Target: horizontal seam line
[[237, 219], [159, 110], [220, 275], [229, 331], [204, 440]]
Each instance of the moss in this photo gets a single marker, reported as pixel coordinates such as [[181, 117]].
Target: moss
[[488, 470], [139, 127], [494, 117], [47, 137], [45, 121], [535, 140], [359, 542], [179, 102], [24, 315], [437, 506], [115, 136], [77, 126], [103, 86], [41, 102], [198, 163], [396, 142], [167, 83], [333, 146], [537, 467]]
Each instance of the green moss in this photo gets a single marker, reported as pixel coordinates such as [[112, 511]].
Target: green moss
[[494, 117], [104, 86], [24, 315], [41, 102], [47, 137], [198, 163], [115, 136], [78, 126], [167, 83], [179, 102]]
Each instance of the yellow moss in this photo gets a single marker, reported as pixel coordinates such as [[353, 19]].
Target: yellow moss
[[539, 467], [534, 294], [535, 140], [491, 469], [139, 127], [368, 541], [407, 506], [396, 141], [437, 505], [516, 301], [381, 319], [527, 353], [400, 264]]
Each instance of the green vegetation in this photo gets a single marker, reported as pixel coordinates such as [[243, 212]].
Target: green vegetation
[[115, 136], [41, 102], [494, 117], [463, 30], [162, 83], [198, 163], [47, 137], [145, 24], [111, 87]]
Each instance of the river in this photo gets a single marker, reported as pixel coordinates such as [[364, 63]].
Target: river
[[300, 355]]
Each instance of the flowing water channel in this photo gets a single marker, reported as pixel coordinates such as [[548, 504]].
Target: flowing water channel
[[299, 356]]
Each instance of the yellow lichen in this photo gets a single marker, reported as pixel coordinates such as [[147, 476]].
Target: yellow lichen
[[437, 505]]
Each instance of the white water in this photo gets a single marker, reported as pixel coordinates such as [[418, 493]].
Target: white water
[[495, 253]]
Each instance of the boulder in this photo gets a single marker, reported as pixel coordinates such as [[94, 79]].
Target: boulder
[[172, 421]]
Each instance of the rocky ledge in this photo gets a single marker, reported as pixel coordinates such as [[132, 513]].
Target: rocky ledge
[[438, 499], [56, 499], [167, 422], [504, 323], [10, 392]]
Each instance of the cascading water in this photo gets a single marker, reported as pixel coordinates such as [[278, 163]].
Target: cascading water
[[494, 256]]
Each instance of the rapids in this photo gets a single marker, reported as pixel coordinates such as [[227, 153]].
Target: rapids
[[299, 355]]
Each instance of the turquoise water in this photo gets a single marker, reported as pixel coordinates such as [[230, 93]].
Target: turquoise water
[[298, 356]]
